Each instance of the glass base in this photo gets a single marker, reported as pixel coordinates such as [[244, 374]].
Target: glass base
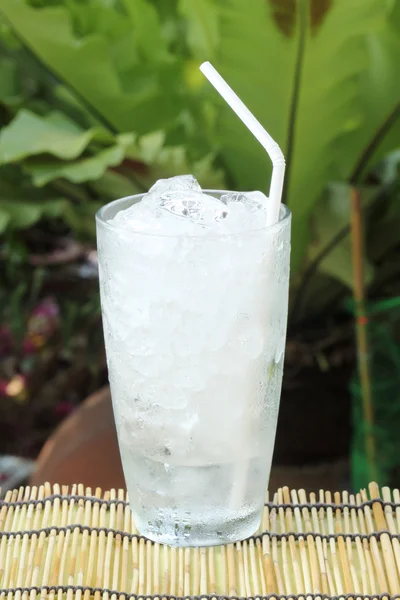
[[163, 528]]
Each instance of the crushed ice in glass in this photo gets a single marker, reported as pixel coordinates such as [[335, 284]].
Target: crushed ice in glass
[[177, 206], [195, 206]]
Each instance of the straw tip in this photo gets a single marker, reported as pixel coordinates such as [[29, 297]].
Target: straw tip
[[205, 66]]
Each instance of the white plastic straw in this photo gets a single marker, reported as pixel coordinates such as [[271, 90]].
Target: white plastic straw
[[266, 141]]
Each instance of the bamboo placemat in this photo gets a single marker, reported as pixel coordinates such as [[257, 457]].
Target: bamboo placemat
[[70, 543]]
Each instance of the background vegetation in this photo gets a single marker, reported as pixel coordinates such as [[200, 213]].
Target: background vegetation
[[98, 98]]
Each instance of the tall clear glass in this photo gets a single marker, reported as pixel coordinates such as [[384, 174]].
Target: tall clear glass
[[195, 330]]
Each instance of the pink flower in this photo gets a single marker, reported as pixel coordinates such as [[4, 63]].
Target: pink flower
[[42, 324]]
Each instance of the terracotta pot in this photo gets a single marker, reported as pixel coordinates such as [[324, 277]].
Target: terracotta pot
[[84, 449]]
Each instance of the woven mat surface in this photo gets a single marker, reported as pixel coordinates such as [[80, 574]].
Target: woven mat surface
[[79, 543]]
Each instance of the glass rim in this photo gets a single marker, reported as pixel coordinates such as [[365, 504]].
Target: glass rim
[[213, 235]]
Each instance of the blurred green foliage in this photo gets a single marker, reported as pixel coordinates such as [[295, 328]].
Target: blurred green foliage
[[98, 98]]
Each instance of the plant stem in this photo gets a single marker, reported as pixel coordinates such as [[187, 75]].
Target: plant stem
[[312, 268], [373, 144], [361, 331], [302, 23], [354, 179]]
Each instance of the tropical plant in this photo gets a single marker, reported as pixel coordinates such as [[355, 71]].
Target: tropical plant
[[94, 104], [321, 75], [100, 97]]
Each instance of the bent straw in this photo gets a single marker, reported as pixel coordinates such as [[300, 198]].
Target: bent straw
[[266, 141], [275, 196]]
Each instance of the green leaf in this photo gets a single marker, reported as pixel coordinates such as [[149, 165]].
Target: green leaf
[[148, 147], [85, 65], [380, 98], [81, 218], [10, 90], [299, 74], [22, 205], [113, 185], [105, 18], [25, 214], [148, 31], [84, 169], [384, 233], [208, 174], [202, 23], [175, 161], [29, 134], [330, 216], [96, 16], [4, 219]]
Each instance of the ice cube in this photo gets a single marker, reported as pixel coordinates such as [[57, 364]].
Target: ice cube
[[139, 217], [246, 211], [177, 206], [174, 206], [193, 206], [258, 196], [180, 182], [251, 201]]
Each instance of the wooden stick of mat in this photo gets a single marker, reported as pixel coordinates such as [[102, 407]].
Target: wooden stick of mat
[[385, 541]]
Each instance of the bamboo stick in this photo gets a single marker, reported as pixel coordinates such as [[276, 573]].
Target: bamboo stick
[[155, 586], [396, 498], [95, 512], [211, 570], [392, 527], [74, 517], [351, 555], [101, 545], [286, 575], [14, 543], [359, 547], [240, 563], [5, 558], [315, 516], [149, 565], [385, 542], [203, 571], [376, 559], [315, 584], [262, 578], [305, 568], [196, 571], [223, 571], [20, 547], [126, 547], [54, 515], [141, 571], [361, 331], [232, 585], [31, 495], [247, 581], [278, 572], [56, 576], [39, 494], [181, 573], [109, 543]]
